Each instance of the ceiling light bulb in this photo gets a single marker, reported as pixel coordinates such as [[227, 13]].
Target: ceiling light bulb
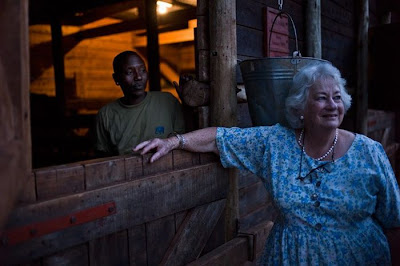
[[162, 7]]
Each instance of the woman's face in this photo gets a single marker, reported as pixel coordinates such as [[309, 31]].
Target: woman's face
[[324, 107]]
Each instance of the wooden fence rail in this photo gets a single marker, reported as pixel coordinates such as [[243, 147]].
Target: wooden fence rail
[[119, 210]]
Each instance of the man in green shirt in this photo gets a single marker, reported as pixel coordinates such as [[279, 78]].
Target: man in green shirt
[[138, 115]]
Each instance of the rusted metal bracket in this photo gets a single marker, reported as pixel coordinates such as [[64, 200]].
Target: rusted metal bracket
[[251, 244], [22, 234]]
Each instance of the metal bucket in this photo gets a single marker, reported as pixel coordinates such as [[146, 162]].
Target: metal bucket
[[267, 82]]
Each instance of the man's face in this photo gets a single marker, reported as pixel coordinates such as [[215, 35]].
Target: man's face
[[132, 76]]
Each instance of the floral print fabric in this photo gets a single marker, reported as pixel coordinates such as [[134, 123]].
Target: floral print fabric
[[330, 213]]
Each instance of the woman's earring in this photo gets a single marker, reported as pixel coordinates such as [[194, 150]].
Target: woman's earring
[[301, 118], [117, 83]]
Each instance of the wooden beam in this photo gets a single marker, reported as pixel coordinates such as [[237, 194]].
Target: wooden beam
[[193, 234], [15, 144], [362, 68], [177, 36], [153, 53], [223, 102], [100, 12], [136, 24], [136, 202], [313, 29]]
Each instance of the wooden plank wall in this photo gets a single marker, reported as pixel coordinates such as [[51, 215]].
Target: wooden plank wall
[[338, 31], [151, 202]]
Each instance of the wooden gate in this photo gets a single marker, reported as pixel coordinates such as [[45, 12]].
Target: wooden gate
[[119, 211]]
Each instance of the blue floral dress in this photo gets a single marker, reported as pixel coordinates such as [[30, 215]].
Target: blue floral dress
[[330, 213]]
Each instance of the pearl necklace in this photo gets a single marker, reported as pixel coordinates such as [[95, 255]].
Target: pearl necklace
[[323, 156]]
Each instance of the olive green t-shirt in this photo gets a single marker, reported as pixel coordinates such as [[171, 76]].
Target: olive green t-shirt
[[120, 127]]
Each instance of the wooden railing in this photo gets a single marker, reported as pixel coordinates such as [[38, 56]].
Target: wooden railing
[[119, 210]]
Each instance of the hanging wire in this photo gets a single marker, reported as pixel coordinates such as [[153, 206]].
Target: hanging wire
[[280, 4], [297, 52]]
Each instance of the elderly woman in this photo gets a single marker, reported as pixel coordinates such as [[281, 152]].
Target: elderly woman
[[335, 190]]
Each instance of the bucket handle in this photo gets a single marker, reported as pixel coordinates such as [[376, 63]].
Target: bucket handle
[[295, 53]]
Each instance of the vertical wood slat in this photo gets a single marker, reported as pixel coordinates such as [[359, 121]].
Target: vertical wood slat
[[133, 167], [161, 165], [110, 250], [58, 181], [183, 159], [313, 29], [102, 172], [159, 235], [77, 256], [15, 144], [137, 245]]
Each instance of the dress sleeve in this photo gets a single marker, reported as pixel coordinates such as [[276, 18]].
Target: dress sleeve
[[387, 209], [246, 149]]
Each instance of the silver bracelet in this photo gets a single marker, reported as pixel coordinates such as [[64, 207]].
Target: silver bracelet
[[182, 141]]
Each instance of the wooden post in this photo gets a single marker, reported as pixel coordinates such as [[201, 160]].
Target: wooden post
[[58, 62], [15, 145], [362, 69], [313, 29], [223, 102], [202, 42], [153, 54]]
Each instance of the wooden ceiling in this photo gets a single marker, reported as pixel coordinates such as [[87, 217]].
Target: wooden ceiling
[[81, 12]]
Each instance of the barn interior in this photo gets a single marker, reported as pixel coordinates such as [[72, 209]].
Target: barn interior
[[67, 70], [72, 45]]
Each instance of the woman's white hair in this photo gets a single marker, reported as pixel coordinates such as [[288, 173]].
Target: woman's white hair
[[302, 81]]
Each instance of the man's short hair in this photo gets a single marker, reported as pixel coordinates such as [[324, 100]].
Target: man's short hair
[[119, 59]]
